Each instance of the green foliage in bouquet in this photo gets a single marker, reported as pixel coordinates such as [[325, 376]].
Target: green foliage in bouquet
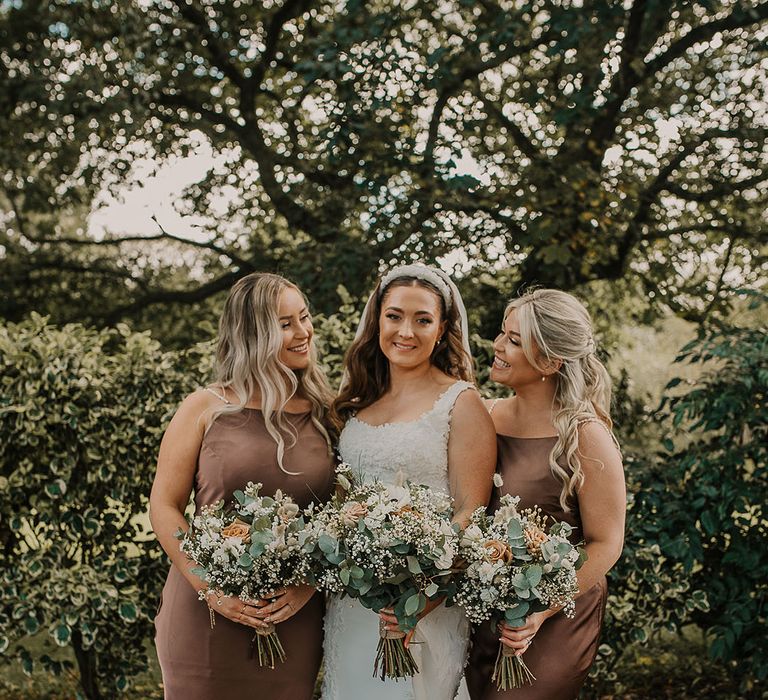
[[81, 416], [388, 546]]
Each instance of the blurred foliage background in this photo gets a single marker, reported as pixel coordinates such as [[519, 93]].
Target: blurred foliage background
[[615, 149]]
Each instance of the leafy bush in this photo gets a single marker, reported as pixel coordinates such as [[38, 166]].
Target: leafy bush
[[81, 416], [696, 531]]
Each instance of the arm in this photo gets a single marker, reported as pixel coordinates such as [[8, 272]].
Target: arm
[[176, 465], [602, 504], [471, 455]]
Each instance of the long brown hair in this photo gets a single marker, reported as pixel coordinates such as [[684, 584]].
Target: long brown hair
[[248, 359], [366, 368]]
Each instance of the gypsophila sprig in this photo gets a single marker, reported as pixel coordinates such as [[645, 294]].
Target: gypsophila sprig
[[389, 546], [516, 566], [249, 549]]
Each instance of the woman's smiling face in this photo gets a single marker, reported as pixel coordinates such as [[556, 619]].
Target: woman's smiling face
[[410, 325], [510, 365]]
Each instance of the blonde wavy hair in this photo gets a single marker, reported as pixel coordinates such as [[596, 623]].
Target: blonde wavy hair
[[557, 325], [248, 360]]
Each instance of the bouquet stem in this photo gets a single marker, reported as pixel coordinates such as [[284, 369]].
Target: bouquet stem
[[510, 670], [268, 648], [393, 660]]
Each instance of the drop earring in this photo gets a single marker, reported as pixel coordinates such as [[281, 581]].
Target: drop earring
[[543, 378]]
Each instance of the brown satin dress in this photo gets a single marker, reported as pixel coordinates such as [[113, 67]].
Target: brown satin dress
[[200, 663], [563, 649]]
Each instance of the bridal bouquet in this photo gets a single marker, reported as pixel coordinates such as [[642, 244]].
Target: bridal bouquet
[[389, 546], [516, 566], [249, 549]]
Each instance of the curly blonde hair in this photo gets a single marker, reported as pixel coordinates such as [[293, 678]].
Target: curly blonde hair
[[560, 327]]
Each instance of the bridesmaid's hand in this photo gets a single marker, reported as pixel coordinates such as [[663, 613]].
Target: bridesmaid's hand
[[520, 638], [244, 612], [389, 621], [286, 602]]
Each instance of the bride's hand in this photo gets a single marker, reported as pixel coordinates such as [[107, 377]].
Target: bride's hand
[[286, 602], [391, 624]]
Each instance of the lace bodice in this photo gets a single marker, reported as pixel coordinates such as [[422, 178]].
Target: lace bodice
[[416, 450]]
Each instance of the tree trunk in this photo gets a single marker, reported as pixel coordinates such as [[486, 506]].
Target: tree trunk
[[86, 663]]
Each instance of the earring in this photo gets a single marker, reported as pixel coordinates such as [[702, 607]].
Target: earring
[[543, 378]]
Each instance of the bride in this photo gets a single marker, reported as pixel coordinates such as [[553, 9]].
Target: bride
[[409, 411]]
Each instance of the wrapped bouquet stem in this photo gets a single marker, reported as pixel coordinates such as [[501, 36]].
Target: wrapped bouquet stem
[[393, 658], [266, 647], [510, 670]]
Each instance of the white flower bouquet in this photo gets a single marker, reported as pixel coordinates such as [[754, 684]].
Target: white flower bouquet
[[249, 549], [516, 566], [389, 546]]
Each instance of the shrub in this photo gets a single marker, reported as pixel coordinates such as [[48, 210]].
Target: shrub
[[696, 530], [81, 415]]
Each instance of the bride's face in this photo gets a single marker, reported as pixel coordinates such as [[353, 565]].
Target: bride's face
[[410, 325]]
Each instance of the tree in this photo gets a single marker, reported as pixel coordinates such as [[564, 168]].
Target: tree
[[612, 141]]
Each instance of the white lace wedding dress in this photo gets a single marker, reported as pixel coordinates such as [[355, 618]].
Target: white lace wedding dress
[[418, 451]]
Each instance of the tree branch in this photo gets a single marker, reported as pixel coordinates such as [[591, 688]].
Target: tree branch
[[173, 296], [523, 142], [252, 138], [604, 125], [716, 190], [289, 10], [720, 279], [218, 53], [740, 17]]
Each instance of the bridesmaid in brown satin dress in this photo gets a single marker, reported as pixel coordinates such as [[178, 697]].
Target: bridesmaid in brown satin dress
[[556, 451], [263, 421]]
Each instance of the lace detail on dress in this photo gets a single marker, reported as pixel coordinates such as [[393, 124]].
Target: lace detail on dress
[[416, 450]]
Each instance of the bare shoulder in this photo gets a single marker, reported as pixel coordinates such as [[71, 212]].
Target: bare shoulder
[[195, 408], [469, 404], [597, 445]]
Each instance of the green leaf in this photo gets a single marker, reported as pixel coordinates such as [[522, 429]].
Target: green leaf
[[412, 604], [327, 543], [127, 611], [533, 573], [431, 590], [56, 488], [62, 634], [413, 565], [31, 625], [344, 575]]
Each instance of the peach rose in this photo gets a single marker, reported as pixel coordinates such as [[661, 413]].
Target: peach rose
[[534, 538], [497, 550], [237, 528], [352, 512], [406, 509]]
